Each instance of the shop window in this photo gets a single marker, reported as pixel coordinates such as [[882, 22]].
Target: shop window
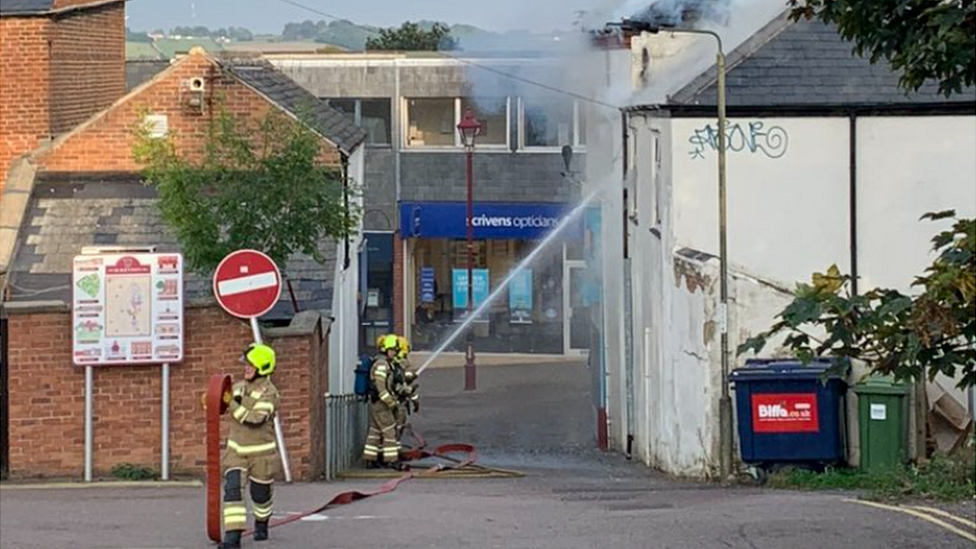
[[373, 115], [492, 112], [431, 122], [552, 124]]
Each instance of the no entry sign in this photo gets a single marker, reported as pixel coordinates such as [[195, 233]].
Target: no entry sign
[[247, 284]]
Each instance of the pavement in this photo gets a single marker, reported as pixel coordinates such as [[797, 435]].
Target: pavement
[[534, 418]]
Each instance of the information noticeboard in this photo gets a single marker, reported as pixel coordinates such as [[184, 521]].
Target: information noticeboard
[[127, 309]]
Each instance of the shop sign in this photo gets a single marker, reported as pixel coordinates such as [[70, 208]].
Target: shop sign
[[127, 309], [785, 413], [490, 220], [520, 297]]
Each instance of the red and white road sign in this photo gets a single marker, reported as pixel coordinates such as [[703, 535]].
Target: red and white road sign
[[247, 284]]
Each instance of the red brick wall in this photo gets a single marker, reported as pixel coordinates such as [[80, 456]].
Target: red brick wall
[[47, 398], [105, 144], [398, 289], [87, 64], [24, 85]]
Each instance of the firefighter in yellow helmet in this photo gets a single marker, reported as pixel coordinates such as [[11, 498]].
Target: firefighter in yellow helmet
[[382, 446], [406, 385], [251, 456]]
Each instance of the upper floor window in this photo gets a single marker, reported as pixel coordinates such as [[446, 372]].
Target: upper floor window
[[373, 115], [432, 121], [551, 123]]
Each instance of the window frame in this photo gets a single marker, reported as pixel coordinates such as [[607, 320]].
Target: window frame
[[458, 146], [522, 132], [357, 114]]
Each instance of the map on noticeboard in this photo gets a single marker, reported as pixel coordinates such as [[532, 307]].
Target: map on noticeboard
[[127, 309]]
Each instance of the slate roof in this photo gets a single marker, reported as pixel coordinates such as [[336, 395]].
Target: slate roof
[[807, 63], [70, 211], [332, 124], [18, 7], [33, 7], [138, 72]]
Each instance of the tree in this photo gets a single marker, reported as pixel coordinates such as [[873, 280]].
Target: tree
[[910, 337], [137, 36], [922, 39], [258, 185], [413, 37]]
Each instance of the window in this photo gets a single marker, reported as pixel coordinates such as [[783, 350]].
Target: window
[[492, 112], [431, 122], [376, 119], [553, 123], [373, 115]]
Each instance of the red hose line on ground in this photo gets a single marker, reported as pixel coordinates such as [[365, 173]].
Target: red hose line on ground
[[469, 453]]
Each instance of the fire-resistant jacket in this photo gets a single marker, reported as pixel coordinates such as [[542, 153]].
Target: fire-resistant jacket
[[252, 431], [381, 376]]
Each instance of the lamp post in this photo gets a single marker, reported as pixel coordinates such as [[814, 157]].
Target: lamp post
[[725, 401], [469, 128]]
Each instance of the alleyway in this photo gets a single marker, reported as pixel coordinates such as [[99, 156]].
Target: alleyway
[[534, 418]]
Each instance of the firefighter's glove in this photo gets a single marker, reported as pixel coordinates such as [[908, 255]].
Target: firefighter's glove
[[409, 377], [227, 397], [416, 406]]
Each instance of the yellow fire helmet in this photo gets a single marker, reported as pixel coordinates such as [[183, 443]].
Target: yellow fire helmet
[[404, 346], [389, 342], [261, 357]]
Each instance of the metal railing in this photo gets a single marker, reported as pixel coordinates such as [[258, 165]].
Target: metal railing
[[346, 423]]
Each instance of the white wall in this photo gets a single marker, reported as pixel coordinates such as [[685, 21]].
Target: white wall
[[789, 211], [344, 334], [907, 167], [787, 193]]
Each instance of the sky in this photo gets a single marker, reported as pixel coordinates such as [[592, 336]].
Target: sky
[[270, 16]]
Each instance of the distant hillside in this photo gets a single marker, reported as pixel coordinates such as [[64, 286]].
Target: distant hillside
[[311, 36]]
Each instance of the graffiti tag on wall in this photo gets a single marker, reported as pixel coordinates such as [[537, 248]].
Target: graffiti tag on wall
[[752, 137]]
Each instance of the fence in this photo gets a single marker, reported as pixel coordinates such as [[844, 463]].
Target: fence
[[346, 423]]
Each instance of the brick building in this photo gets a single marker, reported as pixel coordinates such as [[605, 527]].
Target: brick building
[[60, 62], [88, 192]]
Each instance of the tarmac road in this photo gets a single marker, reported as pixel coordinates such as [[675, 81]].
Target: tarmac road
[[572, 496]]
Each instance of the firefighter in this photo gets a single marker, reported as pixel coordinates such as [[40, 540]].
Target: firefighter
[[382, 446], [407, 386], [251, 456]]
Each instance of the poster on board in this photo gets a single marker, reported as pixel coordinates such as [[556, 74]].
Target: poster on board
[[127, 309], [520, 297]]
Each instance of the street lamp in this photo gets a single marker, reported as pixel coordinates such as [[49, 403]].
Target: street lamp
[[725, 402], [469, 129]]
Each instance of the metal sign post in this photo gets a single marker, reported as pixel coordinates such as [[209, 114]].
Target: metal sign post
[[247, 284]]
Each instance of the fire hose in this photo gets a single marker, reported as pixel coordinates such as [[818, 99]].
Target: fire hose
[[456, 456]]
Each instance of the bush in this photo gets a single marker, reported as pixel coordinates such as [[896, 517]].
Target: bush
[[128, 471], [943, 478]]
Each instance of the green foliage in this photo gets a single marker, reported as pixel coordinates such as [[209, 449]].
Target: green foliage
[[922, 39], [943, 478], [259, 185], [342, 33], [128, 471], [413, 37], [909, 337]]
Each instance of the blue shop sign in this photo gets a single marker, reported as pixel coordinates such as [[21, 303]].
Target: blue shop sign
[[491, 220]]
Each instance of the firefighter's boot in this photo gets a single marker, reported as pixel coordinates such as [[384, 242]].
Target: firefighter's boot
[[260, 530], [232, 540]]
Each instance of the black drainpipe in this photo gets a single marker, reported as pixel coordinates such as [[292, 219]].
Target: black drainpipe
[[626, 159], [852, 182], [345, 205]]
